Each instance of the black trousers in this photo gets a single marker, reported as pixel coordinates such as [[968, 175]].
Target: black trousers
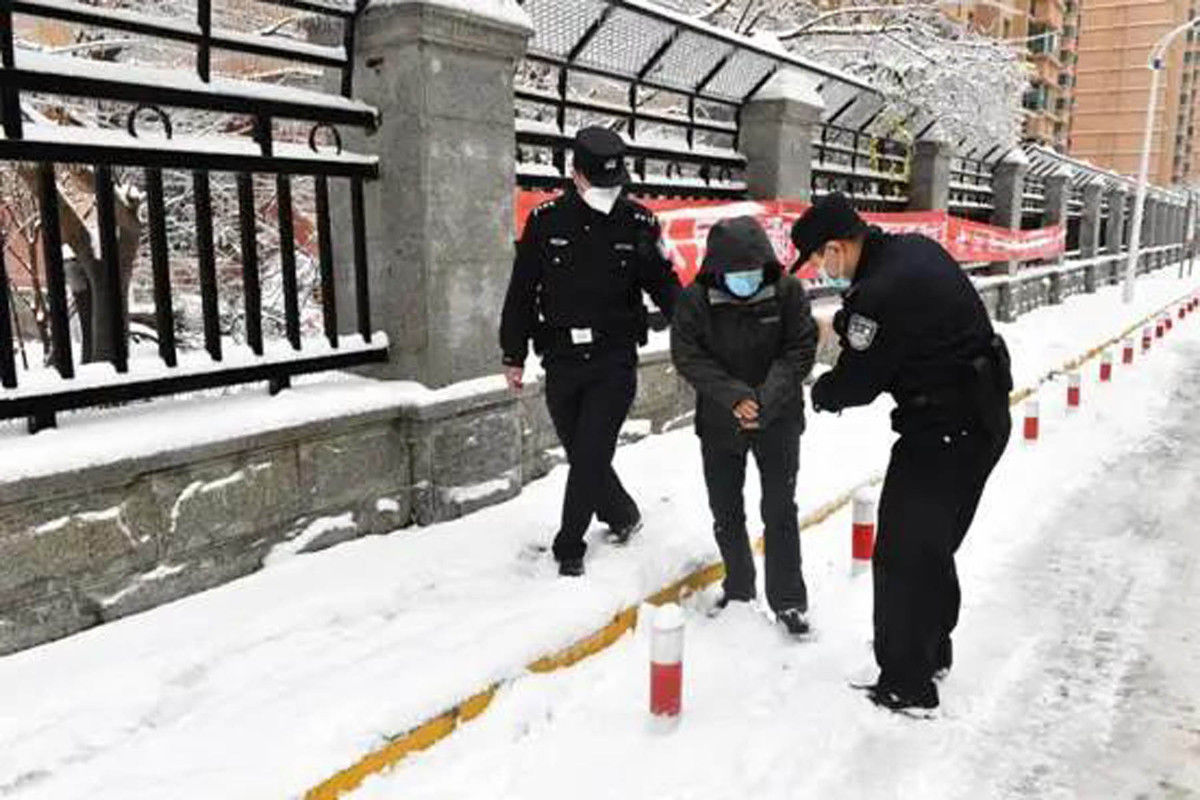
[[777, 453], [933, 486], [588, 402]]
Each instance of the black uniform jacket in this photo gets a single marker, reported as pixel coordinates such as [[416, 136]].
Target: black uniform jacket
[[913, 325], [579, 270], [730, 349]]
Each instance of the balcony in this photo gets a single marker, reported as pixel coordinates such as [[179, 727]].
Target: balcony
[[1036, 99], [1049, 13], [1046, 68], [1039, 127]]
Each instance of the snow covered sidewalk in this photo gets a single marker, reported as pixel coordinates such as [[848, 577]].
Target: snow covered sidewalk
[[267, 686], [1076, 660]]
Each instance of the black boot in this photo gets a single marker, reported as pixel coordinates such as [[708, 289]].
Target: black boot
[[621, 534], [906, 697], [723, 602], [570, 567], [945, 658], [794, 621]]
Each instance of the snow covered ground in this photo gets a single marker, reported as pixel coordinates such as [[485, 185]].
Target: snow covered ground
[[1077, 577]]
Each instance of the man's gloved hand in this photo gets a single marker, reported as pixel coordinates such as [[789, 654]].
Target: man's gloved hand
[[817, 393], [839, 322]]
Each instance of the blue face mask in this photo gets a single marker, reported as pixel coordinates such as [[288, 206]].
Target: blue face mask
[[744, 283]]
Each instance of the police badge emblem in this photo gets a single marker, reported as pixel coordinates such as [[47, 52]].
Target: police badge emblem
[[860, 331]]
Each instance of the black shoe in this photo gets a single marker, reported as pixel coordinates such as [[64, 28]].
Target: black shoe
[[794, 621], [945, 658], [571, 567], [621, 534], [723, 603], [921, 697]]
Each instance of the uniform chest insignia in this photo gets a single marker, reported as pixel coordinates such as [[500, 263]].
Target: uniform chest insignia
[[559, 242], [860, 331], [626, 246]]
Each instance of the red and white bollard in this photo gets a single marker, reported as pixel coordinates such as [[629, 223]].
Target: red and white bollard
[[1147, 336], [1106, 364], [1032, 423], [862, 534], [1182, 310], [1074, 385], [1127, 351], [1168, 323], [1159, 328], [666, 668]]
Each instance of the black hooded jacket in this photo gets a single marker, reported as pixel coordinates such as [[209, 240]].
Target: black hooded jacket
[[730, 348]]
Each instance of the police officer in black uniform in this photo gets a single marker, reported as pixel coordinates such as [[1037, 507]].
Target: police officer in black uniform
[[913, 325], [576, 291]]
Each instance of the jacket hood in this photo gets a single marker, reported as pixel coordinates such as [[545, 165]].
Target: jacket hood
[[738, 243]]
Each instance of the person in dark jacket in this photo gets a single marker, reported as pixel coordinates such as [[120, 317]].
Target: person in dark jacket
[[581, 266], [913, 325], [744, 337]]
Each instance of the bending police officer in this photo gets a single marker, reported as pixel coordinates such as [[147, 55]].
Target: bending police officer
[[576, 291], [913, 325]]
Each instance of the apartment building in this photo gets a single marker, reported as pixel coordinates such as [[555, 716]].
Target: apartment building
[[1048, 31], [1113, 88]]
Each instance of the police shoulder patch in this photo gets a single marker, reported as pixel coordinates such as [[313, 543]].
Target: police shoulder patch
[[860, 332]]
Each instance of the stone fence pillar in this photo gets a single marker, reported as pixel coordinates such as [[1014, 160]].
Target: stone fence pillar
[[1089, 231], [1008, 188], [929, 183], [777, 131], [440, 217], [1058, 193]]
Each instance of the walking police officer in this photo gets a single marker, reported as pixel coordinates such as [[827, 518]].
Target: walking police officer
[[576, 291], [913, 325]]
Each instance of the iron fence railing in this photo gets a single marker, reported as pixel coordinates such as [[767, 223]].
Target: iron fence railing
[[872, 171], [47, 150], [971, 193]]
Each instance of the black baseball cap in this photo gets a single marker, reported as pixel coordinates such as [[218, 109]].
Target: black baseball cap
[[600, 157], [831, 217]]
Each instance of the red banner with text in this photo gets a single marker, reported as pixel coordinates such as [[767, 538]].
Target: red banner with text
[[686, 224]]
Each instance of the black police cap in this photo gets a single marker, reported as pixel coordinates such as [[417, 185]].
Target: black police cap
[[600, 157], [831, 217]]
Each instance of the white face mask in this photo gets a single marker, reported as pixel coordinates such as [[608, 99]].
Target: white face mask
[[602, 198]]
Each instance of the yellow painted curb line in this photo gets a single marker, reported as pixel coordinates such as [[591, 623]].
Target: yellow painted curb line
[[434, 730]]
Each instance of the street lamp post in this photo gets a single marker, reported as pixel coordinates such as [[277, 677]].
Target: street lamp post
[[1157, 64]]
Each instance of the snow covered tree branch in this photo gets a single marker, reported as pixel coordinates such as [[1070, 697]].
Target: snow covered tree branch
[[926, 64]]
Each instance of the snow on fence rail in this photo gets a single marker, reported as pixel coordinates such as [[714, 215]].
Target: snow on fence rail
[[47, 156]]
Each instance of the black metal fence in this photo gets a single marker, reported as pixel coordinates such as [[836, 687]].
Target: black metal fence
[[971, 193], [872, 171], [44, 149], [673, 152]]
